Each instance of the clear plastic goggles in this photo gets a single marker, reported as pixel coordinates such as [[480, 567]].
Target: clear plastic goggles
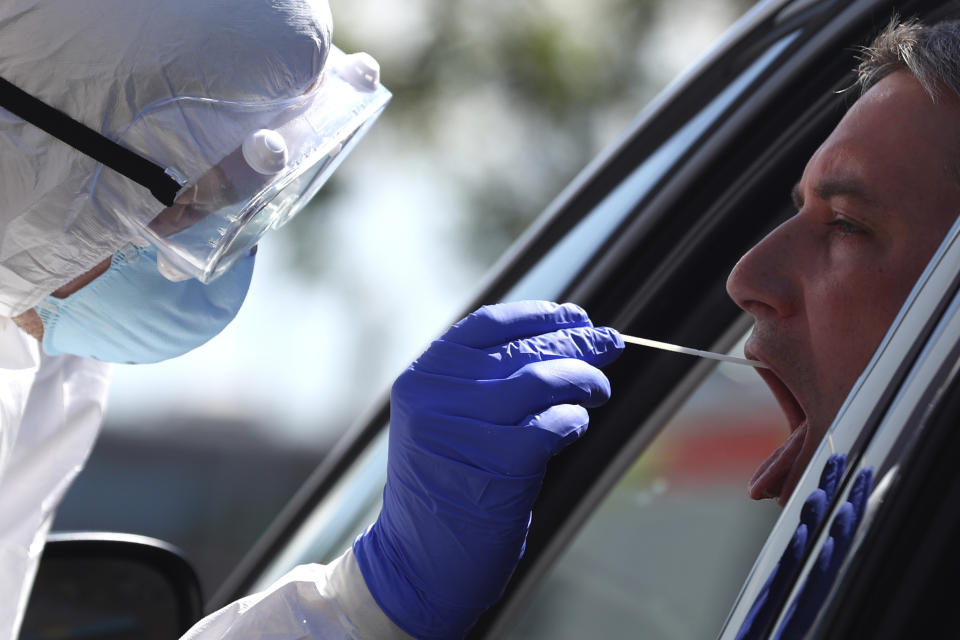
[[232, 194]]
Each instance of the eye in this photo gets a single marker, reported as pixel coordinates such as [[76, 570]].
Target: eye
[[845, 227]]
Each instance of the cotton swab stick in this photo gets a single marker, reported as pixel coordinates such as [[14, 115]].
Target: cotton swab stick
[[692, 352]]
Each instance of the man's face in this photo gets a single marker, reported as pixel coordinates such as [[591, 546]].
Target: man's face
[[874, 202]]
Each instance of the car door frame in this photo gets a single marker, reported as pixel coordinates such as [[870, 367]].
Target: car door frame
[[662, 268]]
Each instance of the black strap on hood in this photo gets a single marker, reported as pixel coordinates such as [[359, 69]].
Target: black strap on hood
[[89, 142]]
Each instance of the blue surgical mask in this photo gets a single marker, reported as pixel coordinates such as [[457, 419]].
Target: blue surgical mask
[[133, 314]]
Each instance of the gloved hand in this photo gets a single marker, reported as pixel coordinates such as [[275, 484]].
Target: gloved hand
[[804, 608], [473, 423]]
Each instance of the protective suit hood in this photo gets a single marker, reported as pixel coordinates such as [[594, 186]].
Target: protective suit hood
[[104, 62]]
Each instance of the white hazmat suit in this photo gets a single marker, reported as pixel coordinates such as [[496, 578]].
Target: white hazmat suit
[[103, 62]]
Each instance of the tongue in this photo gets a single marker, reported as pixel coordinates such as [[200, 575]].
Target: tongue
[[768, 480]]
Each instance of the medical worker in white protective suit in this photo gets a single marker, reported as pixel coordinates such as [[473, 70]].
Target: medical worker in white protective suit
[[145, 147]]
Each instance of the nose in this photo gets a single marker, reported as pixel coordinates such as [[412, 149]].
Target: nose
[[766, 281]]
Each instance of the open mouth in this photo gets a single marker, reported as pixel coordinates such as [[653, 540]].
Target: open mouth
[[788, 402], [768, 481]]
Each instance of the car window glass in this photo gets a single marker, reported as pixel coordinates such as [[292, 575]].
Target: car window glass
[[349, 507], [551, 275], [665, 553], [324, 535], [354, 499]]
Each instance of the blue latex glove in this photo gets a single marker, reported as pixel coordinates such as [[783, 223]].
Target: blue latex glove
[[473, 423], [812, 594], [803, 610]]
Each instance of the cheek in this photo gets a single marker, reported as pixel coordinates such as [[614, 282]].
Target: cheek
[[848, 318]]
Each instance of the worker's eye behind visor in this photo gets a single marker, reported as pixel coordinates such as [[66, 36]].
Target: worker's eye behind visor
[[232, 193]]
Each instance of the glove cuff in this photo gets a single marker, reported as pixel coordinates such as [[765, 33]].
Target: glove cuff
[[421, 614]]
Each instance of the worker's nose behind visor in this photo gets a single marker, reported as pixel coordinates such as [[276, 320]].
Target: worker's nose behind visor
[[232, 194]]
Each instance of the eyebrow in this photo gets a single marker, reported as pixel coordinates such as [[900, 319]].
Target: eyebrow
[[849, 187]]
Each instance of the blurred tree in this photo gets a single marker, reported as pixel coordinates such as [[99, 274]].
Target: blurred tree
[[496, 106], [507, 101]]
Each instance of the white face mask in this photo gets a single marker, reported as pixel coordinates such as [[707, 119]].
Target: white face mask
[[133, 314]]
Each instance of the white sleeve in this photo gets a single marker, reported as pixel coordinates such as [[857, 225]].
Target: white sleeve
[[50, 413], [311, 602]]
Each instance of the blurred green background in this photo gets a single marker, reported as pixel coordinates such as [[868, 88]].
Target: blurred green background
[[497, 105]]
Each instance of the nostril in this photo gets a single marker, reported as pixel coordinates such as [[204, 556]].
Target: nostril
[[757, 308]]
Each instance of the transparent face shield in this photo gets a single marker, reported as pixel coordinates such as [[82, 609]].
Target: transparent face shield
[[231, 194], [203, 179]]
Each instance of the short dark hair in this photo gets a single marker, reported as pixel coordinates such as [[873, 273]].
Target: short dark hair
[[931, 53]]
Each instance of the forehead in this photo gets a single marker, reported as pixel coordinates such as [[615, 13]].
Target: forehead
[[899, 144]]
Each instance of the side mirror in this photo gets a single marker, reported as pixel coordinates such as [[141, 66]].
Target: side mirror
[[111, 587]]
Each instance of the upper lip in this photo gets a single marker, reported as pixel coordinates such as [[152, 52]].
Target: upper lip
[[786, 398]]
